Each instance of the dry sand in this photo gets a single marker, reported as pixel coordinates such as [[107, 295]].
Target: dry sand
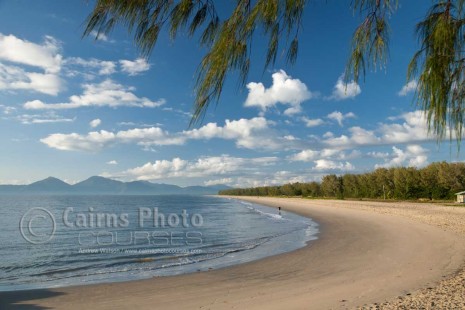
[[366, 253]]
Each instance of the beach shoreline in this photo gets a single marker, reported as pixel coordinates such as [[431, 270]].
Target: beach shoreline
[[365, 253]]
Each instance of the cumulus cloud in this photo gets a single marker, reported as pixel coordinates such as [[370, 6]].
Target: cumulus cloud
[[305, 155], [95, 123], [254, 133], [284, 90], [44, 56], [344, 91], [408, 88], [96, 140], [358, 136], [112, 162], [16, 78], [339, 117], [75, 142], [412, 129], [102, 67], [107, 93], [134, 67], [309, 155], [313, 122], [202, 167], [412, 156], [327, 165], [20, 51]]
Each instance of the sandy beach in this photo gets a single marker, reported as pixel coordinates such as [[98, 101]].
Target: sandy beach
[[368, 255]]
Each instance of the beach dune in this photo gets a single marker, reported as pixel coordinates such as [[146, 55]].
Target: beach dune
[[362, 256]]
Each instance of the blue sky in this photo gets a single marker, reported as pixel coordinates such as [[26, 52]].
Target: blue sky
[[73, 108]]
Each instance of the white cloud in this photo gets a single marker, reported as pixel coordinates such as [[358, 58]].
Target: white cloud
[[344, 91], [327, 165], [99, 36], [252, 133], [46, 118], [96, 140], [75, 142], [311, 155], [248, 133], [103, 67], [378, 154], [148, 136], [106, 93], [95, 123], [139, 124], [7, 109], [284, 90], [222, 181], [312, 122], [134, 67], [408, 88], [358, 136], [413, 129], [275, 178], [20, 51], [255, 133], [15, 78], [202, 167], [305, 155], [45, 56], [339, 117], [290, 138], [112, 162], [413, 156]]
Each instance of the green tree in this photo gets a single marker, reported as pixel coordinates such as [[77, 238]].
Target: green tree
[[351, 186], [331, 186], [287, 190], [438, 65]]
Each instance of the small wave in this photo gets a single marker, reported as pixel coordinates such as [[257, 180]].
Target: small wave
[[270, 215]]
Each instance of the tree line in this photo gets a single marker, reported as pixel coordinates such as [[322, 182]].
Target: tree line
[[437, 181]]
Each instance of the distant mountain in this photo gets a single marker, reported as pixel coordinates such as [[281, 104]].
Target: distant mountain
[[97, 185], [155, 188], [48, 185]]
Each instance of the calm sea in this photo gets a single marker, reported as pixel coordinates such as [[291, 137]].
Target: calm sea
[[51, 241]]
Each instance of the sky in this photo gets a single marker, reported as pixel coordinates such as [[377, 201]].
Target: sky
[[73, 107]]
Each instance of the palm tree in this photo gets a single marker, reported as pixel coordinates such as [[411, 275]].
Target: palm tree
[[436, 69]]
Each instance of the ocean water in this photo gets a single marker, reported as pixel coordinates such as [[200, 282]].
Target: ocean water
[[53, 241]]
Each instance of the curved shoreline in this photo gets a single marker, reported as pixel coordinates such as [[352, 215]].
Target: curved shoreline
[[360, 257]]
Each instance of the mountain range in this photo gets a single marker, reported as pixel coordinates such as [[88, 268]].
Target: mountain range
[[99, 185]]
